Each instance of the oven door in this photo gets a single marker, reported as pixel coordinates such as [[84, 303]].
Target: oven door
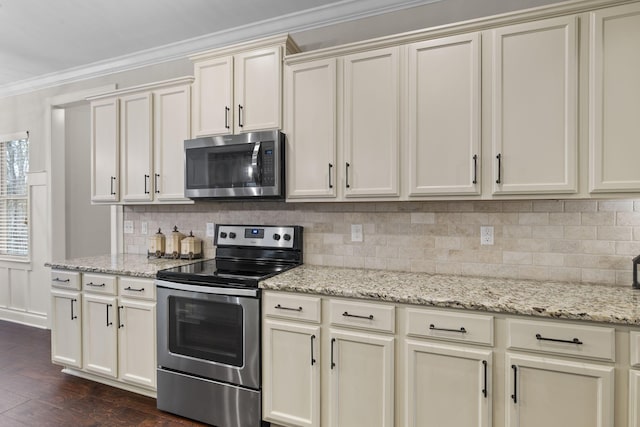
[[209, 332]]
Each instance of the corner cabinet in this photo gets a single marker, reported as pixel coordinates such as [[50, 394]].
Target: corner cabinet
[[137, 143], [535, 105], [239, 88], [614, 99]]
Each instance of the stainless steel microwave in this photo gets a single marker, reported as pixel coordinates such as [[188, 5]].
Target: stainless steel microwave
[[244, 166]]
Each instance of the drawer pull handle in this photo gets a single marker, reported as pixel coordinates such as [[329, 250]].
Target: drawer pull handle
[[280, 307], [514, 396], [573, 341], [484, 389], [129, 288], [369, 317], [101, 285], [107, 307], [61, 280], [313, 361], [462, 330]]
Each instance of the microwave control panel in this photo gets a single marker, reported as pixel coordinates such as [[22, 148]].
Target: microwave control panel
[[268, 164]]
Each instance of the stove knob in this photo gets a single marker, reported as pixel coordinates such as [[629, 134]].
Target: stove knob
[[286, 237], [276, 237], [232, 235], [223, 235]]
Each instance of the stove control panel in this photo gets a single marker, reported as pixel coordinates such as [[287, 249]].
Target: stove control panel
[[261, 236]]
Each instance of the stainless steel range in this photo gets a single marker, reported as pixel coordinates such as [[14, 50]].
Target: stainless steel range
[[208, 320]]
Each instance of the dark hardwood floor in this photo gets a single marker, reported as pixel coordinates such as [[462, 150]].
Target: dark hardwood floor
[[33, 391]]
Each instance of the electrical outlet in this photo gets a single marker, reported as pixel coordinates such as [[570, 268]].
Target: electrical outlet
[[211, 229], [356, 233], [128, 227], [486, 235], [144, 229]]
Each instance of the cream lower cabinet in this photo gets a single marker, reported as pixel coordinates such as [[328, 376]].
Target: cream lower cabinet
[[100, 335], [66, 319], [634, 398]]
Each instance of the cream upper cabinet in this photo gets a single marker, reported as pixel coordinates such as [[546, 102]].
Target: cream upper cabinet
[[370, 123], [310, 125], [614, 97], [444, 116], [361, 379], [136, 150], [105, 150], [534, 114], [543, 391], [213, 97], [171, 109]]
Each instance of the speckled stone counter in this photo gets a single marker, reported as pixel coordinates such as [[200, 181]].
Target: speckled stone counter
[[122, 264], [559, 300]]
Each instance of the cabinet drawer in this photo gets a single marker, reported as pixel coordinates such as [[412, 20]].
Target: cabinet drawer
[[361, 315], [471, 328], [65, 279], [99, 283], [136, 288], [593, 342], [292, 306]]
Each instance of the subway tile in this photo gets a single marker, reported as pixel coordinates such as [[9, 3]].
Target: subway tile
[[564, 218], [423, 266], [579, 232], [517, 206], [354, 262], [615, 205], [547, 232], [398, 264], [516, 231], [598, 218], [523, 258], [628, 248], [580, 205], [602, 247], [565, 274], [448, 268], [538, 218], [448, 242], [548, 259], [614, 233], [487, 206], [533, 272], [423, 218], [548, 206], [628, 218], [600, 277]]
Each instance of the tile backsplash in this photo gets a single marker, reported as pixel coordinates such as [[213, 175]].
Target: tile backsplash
[[564, 240]]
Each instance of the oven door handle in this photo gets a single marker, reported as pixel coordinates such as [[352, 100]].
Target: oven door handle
[[208, 289]]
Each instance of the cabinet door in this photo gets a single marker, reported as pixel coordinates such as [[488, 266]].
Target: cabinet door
[[136, 147], [634, 398], [371, 123], [172, 117], [447, 385], [213, 97], [99, 335], [444, 116], [291, 373], [542, 391], [66, 328], [105, 151], [535, 78], [258, 89], [137, 342], [362, 380], [614, 128], [311, 129]]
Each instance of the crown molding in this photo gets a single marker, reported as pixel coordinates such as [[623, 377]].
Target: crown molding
[[344, 11]]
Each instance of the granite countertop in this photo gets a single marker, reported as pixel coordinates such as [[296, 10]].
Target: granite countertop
[[122, 264], [558, 300]]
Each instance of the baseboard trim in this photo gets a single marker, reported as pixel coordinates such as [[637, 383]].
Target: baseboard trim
[[24, 318], [110, 382]]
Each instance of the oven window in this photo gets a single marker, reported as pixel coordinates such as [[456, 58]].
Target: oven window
[[206, 330]]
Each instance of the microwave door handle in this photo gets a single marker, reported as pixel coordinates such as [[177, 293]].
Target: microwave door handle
[[254, 162]]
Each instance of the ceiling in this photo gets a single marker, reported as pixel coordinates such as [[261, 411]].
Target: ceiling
[[49, 42]]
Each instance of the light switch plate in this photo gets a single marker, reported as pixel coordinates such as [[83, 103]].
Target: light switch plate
[[211, 229], [128, 227], [356, 233]]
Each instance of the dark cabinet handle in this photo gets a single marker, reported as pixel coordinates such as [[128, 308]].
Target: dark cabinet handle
[[462, 330], [61, 280], [475, 169], [499, 180], [107, 306], [72, 315], [155, 183], [514, 396], [101, 285], [369, 317], [347, 175], [129, 288], [113, 178], [146, 184], [240, 108], [333, 340], [572, 341], [280, 307], [313, 361], [330, 167], [484, 389], [120, 324], [226, 117]]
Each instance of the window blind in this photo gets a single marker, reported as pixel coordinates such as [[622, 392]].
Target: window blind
[[14, 210]]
